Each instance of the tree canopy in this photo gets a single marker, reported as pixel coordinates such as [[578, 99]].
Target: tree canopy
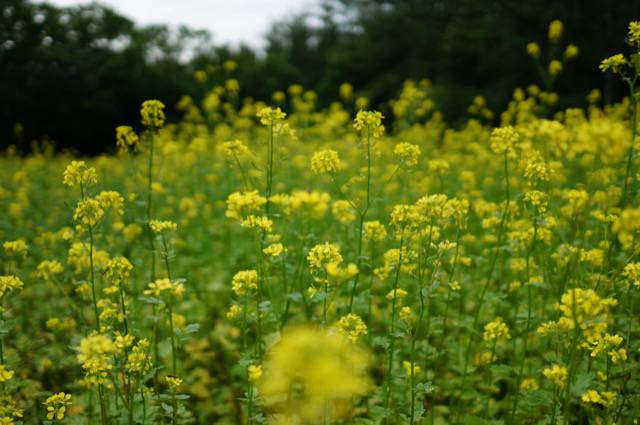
[[72, 74]]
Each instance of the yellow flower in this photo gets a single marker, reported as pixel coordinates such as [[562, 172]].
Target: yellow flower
[[406, 313], [634, 32], [57, 406], [5, 373], [343, 211], [16, 248], [88, 212], [496, 329], [613, 63], [139, 360], [411, 368], [555, 30], [49, 268], [604, 398], [274, 249], [555, 67], [254, 222], [408, 153], [398, 293], [234, 311], [503, 140], [230, 65], [152, 114], [10, 414], [173, 382], [342, 273], [632, 273], [125, 137], [536, 169], [95, 355], [9, 283], [271, 116], [374, 231], [240, 204], [232, 86], [235, 149], [328, 372], [324, 254], [117, 271], [111, 200], [325, 161], [77, 173], [244, 281], [346, 91], [314, 203], [556, 374], [538, 199], [369, 124], [351, 326], [255, 372], [585, 308], [279, 97], [200, 76], [533, 49], [529, 384], [405, 217], [571, 51], [160, 286], [438, 165], [158, 226], [608, 343]]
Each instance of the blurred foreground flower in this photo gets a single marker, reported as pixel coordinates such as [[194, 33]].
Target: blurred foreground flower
[[312, 376]]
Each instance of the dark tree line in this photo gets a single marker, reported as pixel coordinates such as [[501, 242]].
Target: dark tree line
[[72, 74]]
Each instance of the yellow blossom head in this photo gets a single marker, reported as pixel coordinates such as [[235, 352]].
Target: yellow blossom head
[[327, 371], [152, 114]]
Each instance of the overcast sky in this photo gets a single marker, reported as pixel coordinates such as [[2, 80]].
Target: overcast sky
[[230, 21]]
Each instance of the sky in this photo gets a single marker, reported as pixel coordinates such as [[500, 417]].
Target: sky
[[230, 21]]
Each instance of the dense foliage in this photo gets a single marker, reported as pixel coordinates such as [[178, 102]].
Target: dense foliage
[[244, 265]]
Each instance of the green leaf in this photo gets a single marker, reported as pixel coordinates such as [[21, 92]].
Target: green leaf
[[191, 328], [501, 370]]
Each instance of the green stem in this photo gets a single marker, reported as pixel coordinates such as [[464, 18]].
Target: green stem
[[413, 384], [392, 331], [269, 169], [174, 360], [574, 346], [528, 325], [361, 224], [165, 255], [103, 407], [249, 400], [144, 405], [93, 279], [326, 297], [174, 408], [554, 406], [149, 207]]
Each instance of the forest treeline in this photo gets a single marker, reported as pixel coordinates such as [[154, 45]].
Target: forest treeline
[[71, 75]]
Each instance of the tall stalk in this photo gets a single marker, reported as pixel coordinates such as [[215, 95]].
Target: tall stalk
[[165, 255], [530, 251], [362, 215], [392, 326]]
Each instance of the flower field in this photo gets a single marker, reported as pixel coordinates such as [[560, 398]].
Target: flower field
[[245, 265]]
